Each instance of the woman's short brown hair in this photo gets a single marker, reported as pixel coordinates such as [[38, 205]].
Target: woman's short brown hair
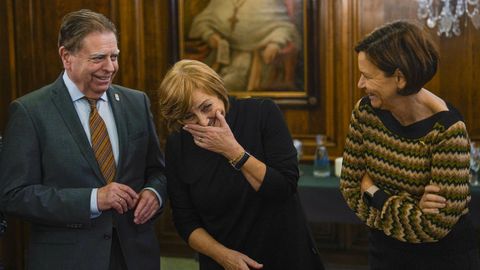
[[176, 89], [405, 46], [78, 24]]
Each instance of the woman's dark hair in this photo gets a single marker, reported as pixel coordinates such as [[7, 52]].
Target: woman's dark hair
[[404, 46]]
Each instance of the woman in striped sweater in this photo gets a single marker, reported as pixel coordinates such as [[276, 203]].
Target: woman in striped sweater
[[406, 160]]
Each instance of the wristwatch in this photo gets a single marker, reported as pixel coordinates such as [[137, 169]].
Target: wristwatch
[[368, 194], [237, 165]]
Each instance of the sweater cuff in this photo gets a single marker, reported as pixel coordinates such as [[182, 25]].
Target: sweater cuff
[[379, 199]]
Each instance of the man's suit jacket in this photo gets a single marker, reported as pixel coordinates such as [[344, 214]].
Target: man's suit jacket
[[48, 169]]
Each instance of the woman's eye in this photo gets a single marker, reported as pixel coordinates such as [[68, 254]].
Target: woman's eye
[[366, 77], [188, 117], [206, 108]]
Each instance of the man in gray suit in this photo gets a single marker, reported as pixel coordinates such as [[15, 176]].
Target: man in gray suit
[[81, 160]]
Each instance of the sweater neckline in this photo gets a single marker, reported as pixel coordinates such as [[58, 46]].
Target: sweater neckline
[[415, 130]]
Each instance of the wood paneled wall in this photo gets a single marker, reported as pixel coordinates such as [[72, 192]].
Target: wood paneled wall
[[29, 60]]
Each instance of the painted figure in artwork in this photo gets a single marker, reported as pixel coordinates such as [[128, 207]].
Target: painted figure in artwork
[[252, 44]]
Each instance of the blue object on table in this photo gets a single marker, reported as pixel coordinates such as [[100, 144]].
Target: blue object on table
[[321, 162]]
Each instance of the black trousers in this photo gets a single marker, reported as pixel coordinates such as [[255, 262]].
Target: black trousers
[[408, 261], [117, 260], [456, 251]]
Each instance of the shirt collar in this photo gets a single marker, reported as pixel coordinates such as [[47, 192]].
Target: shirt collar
[[73, 90]]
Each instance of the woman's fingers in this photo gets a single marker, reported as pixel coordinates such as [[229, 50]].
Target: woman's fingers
[[432, 189], [431, 203], [434, 198], [252, 263], [221, 118], [428, 204], [431, 210]]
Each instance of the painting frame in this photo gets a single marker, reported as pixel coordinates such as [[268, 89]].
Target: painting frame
[[303, 93]]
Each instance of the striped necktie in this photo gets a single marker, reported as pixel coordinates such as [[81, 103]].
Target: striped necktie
[[101, 143]]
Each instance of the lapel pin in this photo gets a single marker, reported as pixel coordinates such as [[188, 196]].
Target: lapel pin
[[117, 97]]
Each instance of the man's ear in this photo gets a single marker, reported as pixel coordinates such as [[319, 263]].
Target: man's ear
[[65, 56], [400, 79]]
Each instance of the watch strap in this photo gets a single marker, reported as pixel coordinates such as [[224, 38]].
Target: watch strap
[[239, 164]]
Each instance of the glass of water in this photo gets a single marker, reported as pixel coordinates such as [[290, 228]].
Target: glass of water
[[299, 147]]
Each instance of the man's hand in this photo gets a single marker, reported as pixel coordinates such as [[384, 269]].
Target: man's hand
[[117, 196], [147, 206]]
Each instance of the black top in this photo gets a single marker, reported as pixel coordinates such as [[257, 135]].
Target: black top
[[420, 128], [269, 226]]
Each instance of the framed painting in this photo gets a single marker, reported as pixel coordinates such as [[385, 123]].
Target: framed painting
[[261, 48]]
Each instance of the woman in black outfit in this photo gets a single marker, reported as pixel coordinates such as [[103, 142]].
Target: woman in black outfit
[[232, 176]]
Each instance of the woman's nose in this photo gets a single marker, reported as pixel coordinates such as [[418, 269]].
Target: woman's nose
[[361, 82], [202, 120]]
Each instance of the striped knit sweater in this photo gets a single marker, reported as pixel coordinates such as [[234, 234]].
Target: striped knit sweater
[[402, 160]]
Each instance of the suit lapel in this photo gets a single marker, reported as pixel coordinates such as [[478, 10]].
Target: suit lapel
[[117, 104], [63, 102]]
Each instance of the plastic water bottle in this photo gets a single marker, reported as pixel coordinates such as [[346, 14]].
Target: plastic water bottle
[[321, 164]]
